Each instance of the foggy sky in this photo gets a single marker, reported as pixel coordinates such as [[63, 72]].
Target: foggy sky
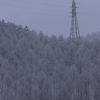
[[52, 17]]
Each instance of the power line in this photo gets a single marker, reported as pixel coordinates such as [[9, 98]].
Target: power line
[[44, 14], [30, 8], [41, 3], [89, 8], [55, 5], [95, 14], [43, 9], [59, 5]]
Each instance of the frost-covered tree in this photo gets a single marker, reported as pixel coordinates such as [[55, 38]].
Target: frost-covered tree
[[39, 67]]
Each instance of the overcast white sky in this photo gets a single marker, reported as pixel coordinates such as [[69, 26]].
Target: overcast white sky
[[52, 17]]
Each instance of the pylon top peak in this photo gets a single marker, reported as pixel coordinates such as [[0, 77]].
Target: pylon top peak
[[74, 32], [73, 1]]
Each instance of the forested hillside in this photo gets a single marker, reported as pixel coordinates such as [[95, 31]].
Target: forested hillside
[[34, 66]]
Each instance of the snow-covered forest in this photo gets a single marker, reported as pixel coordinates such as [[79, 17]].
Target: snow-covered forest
[[34, 66]]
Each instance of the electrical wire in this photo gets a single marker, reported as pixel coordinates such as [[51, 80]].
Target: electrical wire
[[41, 3], [55, 5], [42, 9], [30, 8], [36, 8], [88, 8], [35, 13]]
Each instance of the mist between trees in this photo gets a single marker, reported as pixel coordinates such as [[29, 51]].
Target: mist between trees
[[34, 66]]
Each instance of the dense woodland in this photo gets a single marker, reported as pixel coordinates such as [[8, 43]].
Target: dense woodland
[[34, 66]]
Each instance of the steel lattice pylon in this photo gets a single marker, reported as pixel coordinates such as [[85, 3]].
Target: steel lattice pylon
[[74, 32]]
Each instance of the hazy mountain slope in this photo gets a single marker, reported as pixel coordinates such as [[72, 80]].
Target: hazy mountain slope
[[37, 67]]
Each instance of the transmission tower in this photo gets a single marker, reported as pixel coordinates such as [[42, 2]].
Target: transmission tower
[[74, 32]]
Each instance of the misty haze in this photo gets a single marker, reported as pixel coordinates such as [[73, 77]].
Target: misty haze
[[47, 55]]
